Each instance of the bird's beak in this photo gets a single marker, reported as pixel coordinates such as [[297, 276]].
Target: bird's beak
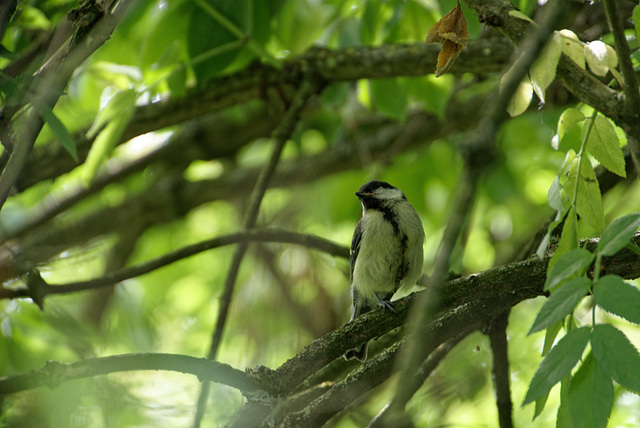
[[364, 194]]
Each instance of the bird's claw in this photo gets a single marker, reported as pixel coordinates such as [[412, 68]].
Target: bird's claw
[[385, 304]]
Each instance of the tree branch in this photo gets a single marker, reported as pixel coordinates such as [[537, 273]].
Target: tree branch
[[579, 82], [347, 64], [478, 152], [172, 196], [54, 373], [50, 82], [499, 346], [632, 96], [309, 87], [252, 235]]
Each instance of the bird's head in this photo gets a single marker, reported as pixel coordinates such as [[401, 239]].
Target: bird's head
[[376, 194]]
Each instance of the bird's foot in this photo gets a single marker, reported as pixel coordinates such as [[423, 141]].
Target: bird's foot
[[385, 304]]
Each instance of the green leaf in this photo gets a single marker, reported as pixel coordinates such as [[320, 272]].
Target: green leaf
[[561, 303], [550, 337], [563, 419], [617, 297], [104, 145], [617, 356], [390, 97], [590, 395], [543, 71], [603, 143], [59, 130], [554, 198], [568, 119], [220, 30], [589, 200], [118, 103], [540, 403], [558, 364], [370, 22], [569, 238], [517, 14], [575, 262], [636, 20], [600, 57], [573, 47], [618, 234], [521, 97]]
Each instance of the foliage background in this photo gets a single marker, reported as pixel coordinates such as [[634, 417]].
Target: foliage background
[[286, 296]]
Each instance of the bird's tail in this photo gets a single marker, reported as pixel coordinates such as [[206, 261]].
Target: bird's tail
[[359, 353]]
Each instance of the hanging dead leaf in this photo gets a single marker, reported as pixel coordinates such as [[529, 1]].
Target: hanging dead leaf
[[451, 32]]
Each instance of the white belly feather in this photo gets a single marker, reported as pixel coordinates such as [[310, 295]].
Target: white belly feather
[[381, 254]]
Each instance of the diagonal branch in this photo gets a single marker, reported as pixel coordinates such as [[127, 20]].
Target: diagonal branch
[[50, 82], [478, 152], [310, 86]]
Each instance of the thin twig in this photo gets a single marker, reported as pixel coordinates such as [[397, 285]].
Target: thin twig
[[425, 370], [257, 235], [309, 87], [499, 346]]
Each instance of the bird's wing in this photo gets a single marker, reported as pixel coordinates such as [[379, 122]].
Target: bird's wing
[[355, 247]]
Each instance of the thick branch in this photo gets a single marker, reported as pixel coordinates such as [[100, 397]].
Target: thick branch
[[348, 64]]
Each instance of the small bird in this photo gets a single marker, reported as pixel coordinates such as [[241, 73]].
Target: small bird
[[386, 251]]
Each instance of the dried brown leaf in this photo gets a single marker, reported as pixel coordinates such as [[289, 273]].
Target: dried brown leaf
[[451, 32]]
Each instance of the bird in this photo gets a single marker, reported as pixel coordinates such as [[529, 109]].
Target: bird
[[386, 251]]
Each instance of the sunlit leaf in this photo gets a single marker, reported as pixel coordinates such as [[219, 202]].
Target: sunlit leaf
[[573, 47], [521, 97], [104, 144], [588, 198], [600, 57], [568, 119], [558, 364], [117, 104], [590, 395], [617, 356], [517, 14], [543, 71], [603, 143], [451, 32], [617, 297]]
